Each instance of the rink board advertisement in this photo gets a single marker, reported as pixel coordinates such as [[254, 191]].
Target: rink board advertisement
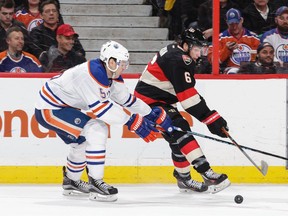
[[255, 110]]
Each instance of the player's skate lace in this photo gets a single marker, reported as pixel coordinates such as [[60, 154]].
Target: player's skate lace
[[69, 184], [187, 184], [212, 178], [99, 186], [82, 184], [191, 184]]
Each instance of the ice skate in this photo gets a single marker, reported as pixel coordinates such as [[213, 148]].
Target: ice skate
[[101, 191], [215, 181], [186, 184], [74, 188]]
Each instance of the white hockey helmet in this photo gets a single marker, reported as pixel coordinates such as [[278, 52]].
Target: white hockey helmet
[[113, 49]]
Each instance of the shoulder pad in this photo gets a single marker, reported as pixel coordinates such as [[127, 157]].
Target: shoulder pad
[[98, 72]]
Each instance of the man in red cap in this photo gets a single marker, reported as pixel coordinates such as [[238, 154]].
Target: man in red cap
[[44, 35], [61, 57]]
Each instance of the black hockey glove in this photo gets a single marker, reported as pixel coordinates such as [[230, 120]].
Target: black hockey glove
[[215, 123]]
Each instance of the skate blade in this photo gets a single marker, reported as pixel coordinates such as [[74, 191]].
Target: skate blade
[[217, 188], [186, 190], [102, 198], [74, 193]]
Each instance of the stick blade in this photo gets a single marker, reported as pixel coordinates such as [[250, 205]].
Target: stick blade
[[264, 167]]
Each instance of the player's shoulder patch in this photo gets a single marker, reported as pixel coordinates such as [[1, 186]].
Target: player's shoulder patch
[[187, 59], [98, 73]]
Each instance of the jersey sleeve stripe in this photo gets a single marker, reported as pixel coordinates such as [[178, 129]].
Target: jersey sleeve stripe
[[47, 101], [186, 94], [104, 111], [94, 104], [49, 98], [190, 102], [146, 99], [99, 107], [157, 72], [131, 100], [48, 88], [189, 98]]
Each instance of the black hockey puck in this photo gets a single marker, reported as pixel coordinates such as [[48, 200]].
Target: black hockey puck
[[238, 199]]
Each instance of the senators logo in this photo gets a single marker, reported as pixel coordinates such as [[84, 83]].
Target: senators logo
[[187, 60]]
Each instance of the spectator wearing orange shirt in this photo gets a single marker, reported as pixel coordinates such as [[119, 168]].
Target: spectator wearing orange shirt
[[236, 44], [29, 14]]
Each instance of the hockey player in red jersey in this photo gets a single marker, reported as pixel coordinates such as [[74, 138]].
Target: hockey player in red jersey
[[168, 79]]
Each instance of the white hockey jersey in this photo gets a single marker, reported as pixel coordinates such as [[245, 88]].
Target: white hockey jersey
[[279, 42], [86, 87]]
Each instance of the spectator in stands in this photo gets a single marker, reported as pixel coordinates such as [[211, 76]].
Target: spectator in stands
[[189, 12], [205, 16], [14, 59], [236, 43], [280, 3], [242, 3], [259, 16], [278, 37], [18, 3], [7, 8], [29, 14], [264, 63], [62, 57], [44, 35]]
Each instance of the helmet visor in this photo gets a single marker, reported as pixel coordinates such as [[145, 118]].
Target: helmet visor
[[123, 64]]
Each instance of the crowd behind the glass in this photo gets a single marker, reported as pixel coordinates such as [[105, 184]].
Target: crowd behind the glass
[[253, 35]]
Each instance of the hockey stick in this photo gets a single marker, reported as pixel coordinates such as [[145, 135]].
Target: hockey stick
[[230, 143], [264, 165]]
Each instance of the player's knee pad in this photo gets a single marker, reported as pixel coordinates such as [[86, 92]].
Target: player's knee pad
[[77, 152], [95, 132]]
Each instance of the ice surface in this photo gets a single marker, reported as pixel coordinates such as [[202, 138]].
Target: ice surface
[[145, 199]]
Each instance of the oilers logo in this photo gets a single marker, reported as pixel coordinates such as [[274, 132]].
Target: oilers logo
[[241, 54], [34, 23], [77, 121], [282, 52], [18, 70]]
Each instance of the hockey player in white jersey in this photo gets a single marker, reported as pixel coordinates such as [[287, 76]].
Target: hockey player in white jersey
[[94, 87]]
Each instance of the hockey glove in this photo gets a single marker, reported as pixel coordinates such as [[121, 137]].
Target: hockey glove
[[142, 128], [215, 123], [158, 116]]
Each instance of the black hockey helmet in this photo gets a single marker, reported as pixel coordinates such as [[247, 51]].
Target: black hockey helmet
[[193, 37]]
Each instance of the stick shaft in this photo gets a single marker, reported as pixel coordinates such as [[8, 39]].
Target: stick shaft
[[230, 143], [247, 156]]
